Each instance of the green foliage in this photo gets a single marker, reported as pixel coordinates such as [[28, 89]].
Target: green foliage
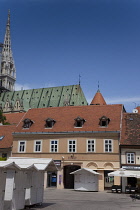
[[3, 119], [6, 123], [2, 159]]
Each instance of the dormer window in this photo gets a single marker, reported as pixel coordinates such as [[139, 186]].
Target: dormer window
[[104, 121], [49, 123], [27, 123], [79, 122]]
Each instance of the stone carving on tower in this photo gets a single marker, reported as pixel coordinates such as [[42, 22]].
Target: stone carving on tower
[[7, 66]]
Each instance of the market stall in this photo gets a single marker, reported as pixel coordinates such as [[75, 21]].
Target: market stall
[[7, 174], [85, 179], [30, 190]]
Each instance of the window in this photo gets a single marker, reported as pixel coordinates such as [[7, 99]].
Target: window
[[130, 158], [91, 145], [72, 146], [17, 105], [49, 123], [104, 121], [27, 123], [108, 145], [4, 155], [54, 146], [22, 145], [79, 122], [38, 146], [1, 137]]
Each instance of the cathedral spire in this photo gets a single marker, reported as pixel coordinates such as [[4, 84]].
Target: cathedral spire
[[7, 71]]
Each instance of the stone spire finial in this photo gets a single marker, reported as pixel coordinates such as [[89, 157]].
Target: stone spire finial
[[98, 87], [7, 40], [8, 21], [8, 71]]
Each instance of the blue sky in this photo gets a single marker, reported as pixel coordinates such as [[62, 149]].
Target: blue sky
[[53, 41]]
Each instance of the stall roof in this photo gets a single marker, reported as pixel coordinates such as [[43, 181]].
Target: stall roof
[[41, 166], [36, 163], [6, 164], [84, 169]]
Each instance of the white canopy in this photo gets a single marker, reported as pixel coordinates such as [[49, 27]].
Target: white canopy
[[11, 165], [123, 173], [86, 169], [29, 163]]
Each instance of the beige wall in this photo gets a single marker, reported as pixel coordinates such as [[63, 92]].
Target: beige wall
[[98, 160], [81, 143]]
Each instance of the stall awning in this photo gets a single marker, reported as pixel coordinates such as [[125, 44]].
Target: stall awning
[[85, 169], [10, 165], [125, 173], [43, 164]]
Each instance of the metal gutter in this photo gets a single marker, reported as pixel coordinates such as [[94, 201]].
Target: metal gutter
[[67, 132]]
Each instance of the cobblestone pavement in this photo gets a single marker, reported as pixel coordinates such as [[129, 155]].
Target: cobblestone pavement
[[64, 199]]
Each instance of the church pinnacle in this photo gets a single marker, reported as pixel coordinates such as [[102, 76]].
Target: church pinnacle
[[7, 67]]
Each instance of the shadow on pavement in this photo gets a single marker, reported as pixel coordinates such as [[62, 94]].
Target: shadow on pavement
[[34, 207]]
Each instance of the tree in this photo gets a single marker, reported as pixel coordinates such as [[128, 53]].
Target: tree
[[3, 118]]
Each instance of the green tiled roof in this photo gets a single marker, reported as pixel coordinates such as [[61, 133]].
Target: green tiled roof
[[45, 97]]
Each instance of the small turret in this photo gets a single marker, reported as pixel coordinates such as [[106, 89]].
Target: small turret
[[98, 99]]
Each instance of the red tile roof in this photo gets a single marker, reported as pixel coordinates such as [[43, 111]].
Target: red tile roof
[[130, 129], [14, 118], [64, 117], [98, 99], [138, 108], [6, 130]]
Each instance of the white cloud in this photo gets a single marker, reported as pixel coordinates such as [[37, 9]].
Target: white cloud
[[28, 86], [123, 100], [22, 87], [50, 85]]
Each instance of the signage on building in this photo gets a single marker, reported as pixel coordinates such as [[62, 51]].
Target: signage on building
[[131, 167], [57, 162]]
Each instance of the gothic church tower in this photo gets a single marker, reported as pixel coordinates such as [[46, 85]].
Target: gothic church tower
[[7, 66]]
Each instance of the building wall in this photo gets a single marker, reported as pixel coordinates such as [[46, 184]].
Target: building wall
[[98, 160], [81, 142], [130, 150]]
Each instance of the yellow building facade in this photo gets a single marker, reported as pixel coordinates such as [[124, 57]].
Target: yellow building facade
[[75, 137]]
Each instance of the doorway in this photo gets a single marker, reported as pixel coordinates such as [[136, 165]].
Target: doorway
[[132, 181], [108, 180], [69, 178], [52, 179]]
